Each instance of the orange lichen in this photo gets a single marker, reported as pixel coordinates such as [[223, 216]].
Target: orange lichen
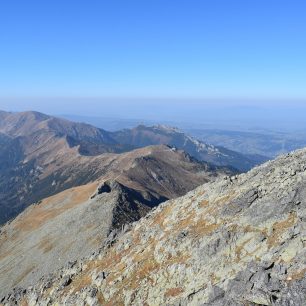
[[213, 208], [160, 217], [186, 222], [239, 249], [250, 229], [80, 282], [297, 275], [279, 228], [202, 227], [204, 203], [224, 199], [173, 292], [24, 302]]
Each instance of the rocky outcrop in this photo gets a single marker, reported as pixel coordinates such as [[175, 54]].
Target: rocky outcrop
[[237, 241]]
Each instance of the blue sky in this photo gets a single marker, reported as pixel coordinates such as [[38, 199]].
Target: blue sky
[[154, 48]]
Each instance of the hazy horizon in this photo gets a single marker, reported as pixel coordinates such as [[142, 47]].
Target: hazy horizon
[[223, 62], [277, 115]]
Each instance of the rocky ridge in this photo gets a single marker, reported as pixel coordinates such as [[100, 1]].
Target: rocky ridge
[[66, 227], [237, 241], [75, 222]]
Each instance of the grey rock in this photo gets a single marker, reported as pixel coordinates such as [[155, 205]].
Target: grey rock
[[220, 244]]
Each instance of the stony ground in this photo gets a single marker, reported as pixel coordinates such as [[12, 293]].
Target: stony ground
[[237, 241], [72, 224]]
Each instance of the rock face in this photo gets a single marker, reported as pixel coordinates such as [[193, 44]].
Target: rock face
[[237, 241]]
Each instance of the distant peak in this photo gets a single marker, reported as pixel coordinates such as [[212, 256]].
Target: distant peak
[[167, 128], [34, 114], [160, 127]]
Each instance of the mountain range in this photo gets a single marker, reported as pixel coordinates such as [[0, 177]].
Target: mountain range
[[160, 134], [145, 216], [239, 240], [84, 188], [42, 155], [255, 140]]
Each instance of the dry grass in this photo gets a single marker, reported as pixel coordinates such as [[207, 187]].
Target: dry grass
[[54, 206], [186, 222], [45, 245], [214, 279], [113, 261]]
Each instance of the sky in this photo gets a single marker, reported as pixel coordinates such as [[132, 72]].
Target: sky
[[132, 58]]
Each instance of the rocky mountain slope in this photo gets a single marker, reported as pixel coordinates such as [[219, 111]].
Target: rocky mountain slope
[[237, 241], [75, 222], [218, 155]]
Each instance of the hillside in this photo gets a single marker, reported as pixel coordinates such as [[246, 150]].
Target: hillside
[[75, 222], [42, 155], [236, 241]]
